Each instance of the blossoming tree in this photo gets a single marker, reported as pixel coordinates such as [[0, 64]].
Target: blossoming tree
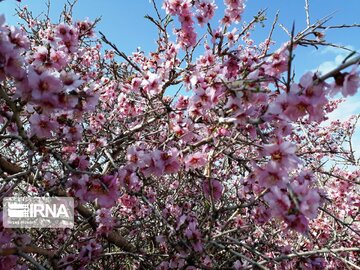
[[237, 173]]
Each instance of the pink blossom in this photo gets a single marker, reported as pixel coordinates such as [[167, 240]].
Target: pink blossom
[[310, 203], [347, 83], [298, 223], [186, 35], [195, 160], [14, 65], [58, 59], [271, 175], [80, 162], [42, 126], [278, 63], [74, 133], [40, 56], [212, 188], [68, 35], [79, 187], [233, 11], [44, 86], [308, 198], [171, 160], [129, 179], [90, 101], [154, 164], [278, 106], [85, 28], [136, 156], [104, 220], [104, 190], [19, 39], [298, 106], [315, 92], [152, 83], [279, 202], [193, 234], [283, 154], [205, 10], [232, 36], [8, 262]]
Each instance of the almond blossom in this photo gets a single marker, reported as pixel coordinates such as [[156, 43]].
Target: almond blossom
[[206, 152]]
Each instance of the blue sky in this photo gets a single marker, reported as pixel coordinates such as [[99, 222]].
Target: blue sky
[[124, 24]]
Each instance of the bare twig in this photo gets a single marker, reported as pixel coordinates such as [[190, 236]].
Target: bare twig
[[335, 71], [31, 260], [119, 53], [307, 13]]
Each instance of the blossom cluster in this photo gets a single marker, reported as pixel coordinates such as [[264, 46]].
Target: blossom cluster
[[230, 173]]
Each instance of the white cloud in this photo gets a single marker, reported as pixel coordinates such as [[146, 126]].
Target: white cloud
[[340, 55], [330, 65], [334, 50]]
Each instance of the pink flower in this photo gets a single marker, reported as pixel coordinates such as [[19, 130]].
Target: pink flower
[[129, 179], [298, 106], [19, 39], [104, 220], [271, 175], [80, 162], [348, 83], [136, 156], [42, 126], [14, 65], [44, 87], [171, 161], [8, 262], [283, 154], [104, 190], [74, 133], [85, 28], [152, 83], [58, 59], [70, 80], [298, 223], [68, 35], [233, 11], [195, 160], [277, 107], [212, 188], [194, 235], [67, 101], [314, 263], [78, 187], [309, 199], [154, 164], [278, 62], [314, 92], [174, 7], [186, 36], [205, 11], [91, 99], [310, 203], [232, 36], [279, 202], [40, 56]]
